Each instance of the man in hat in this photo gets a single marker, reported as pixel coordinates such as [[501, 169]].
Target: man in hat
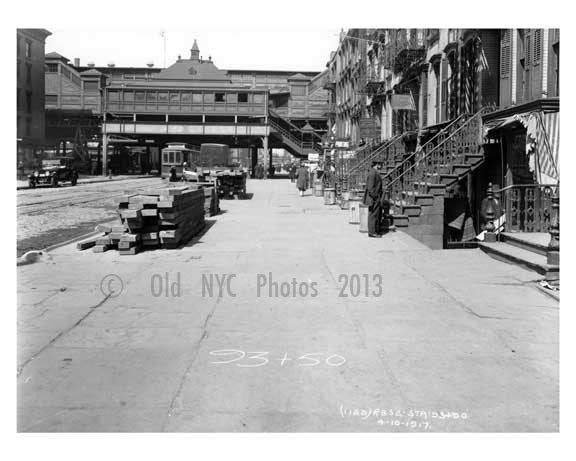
[[373, 199]]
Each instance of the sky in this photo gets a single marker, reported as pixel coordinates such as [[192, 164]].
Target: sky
[[266, 49]]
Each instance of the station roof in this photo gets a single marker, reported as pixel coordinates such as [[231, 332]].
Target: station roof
[[54, 55], [273, 72], [299, 77], [192, 69], [94, 72]]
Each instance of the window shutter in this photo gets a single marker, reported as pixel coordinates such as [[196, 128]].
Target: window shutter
[[537, 45], [505, 54], [444, 90], [528, 54]]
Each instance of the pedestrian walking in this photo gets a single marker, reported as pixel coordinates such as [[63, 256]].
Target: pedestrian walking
[[373, 199], [293, 170], [302, 179]]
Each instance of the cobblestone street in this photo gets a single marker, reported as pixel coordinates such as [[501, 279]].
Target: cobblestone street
[[48, 216]]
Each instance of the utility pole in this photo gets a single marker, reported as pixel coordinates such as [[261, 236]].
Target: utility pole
[[163, 35], [104, 136]]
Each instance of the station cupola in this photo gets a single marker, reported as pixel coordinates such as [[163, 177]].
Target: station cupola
[[195, 52]]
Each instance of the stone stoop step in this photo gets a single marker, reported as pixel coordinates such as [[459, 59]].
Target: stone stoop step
[[513, 254], [521, 242]]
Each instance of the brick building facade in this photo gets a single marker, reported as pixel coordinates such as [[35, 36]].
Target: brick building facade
[[30, 93]]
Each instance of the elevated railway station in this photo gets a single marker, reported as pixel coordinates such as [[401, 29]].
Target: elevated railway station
[[137, 111]]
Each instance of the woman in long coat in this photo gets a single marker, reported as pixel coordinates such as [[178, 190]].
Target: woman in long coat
[[302, 179]]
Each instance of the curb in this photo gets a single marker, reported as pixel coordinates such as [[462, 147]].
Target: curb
[[553, 294], [75, 239], [80, 182], [72, 240]]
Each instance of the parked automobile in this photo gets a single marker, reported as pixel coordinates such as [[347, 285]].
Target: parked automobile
[[53, 172]]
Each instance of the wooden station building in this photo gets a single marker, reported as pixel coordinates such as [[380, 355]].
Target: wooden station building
[[128, 111]]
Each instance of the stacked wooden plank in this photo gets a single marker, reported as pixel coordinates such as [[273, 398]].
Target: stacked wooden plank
[[211, 202], [166, 218], [180, 215]]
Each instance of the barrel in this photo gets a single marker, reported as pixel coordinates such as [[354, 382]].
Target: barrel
[[345, 201], [363, 212], [354, 211], [318, 188], [329, 196]]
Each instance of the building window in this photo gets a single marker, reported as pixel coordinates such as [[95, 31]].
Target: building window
[[114, 96], [28, 49], [28, 101], [163, 96], [197, 98], [231, 98], [51, 99], [219, 97], [93, 85], [556, 51], [52, 68], [174, 98], [129, 97], [208, 98], [186, 98], [258, 98], [140, 96], [151, 96], [298, 90], [243, 98]]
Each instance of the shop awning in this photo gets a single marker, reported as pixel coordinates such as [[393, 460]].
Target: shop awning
[[542, 140]]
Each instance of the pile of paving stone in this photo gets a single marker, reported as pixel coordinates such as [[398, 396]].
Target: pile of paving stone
[[166, 218]]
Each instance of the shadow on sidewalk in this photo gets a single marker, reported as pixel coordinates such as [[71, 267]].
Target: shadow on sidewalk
[[197, 238]]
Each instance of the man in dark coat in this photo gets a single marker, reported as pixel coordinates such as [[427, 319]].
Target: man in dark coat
[[302, 179], [373, 199]]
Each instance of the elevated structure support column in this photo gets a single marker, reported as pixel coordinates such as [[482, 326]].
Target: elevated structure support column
[[266, 156], [253, 161], [104, 154]]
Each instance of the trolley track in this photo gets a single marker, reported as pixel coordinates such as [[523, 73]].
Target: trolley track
[[50, 216], [76, 197]]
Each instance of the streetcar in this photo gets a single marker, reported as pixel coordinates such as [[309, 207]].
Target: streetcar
[[174, 156]]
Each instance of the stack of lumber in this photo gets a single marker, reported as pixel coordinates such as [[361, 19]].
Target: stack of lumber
[[211, 203], [166, 218]]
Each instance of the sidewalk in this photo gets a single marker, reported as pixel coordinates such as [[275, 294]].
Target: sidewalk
[[451, 341], [23, 184]]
